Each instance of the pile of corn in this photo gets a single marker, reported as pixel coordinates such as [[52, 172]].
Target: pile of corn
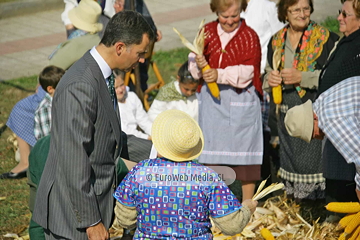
[[350, 224], [279, 219]]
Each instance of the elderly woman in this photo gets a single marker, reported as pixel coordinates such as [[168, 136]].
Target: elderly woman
[[303, 48], [232, 126], [343, 63]]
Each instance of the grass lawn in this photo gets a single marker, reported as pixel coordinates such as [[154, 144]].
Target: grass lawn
[[14, 194]]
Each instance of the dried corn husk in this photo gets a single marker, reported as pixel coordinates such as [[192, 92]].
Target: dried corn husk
[[262, 193], [294, 227], [198, 44], [198, 48]]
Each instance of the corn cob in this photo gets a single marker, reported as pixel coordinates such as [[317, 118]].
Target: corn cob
[[266, 234], [213, 87], [355, 234], [343, 207], [277, 91], [198, 47], [353, 224], [277, 94], [345, 221], [342, 237]]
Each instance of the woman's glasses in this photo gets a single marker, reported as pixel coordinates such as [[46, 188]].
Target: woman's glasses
[[344, 14], [297, 11]]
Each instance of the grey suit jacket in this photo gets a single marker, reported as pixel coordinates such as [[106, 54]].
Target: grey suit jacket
[[79, 178]]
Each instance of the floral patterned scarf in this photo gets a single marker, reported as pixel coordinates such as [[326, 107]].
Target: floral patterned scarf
[[308, 50]]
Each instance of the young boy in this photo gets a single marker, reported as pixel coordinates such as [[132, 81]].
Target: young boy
[[48, 79], [172, 196], [133, 116]]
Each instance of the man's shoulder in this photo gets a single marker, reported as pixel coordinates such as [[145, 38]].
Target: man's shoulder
[[81, 71]]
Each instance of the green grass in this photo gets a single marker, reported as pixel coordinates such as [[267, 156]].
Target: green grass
[[332, 24], [168, 63], [14, 209]]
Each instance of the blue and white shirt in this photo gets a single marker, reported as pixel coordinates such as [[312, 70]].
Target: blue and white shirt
[[338, 111]]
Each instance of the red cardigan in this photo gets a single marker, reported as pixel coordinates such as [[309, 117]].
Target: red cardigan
[[244, 48]]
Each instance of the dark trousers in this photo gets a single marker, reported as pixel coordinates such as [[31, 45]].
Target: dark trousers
[[36, 232], [340, 191]]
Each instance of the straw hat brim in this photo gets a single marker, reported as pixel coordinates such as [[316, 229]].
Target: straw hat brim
[[164, 139], [299, 121], [308, 121], [81, 24]]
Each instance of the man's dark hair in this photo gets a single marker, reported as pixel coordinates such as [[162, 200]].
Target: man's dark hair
[[127, 27], [50, 76]]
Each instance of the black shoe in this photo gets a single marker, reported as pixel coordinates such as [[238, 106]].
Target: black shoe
[[11, 175]]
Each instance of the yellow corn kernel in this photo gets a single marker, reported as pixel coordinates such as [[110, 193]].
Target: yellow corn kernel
[[345, 221], [277, 94], [213, 87], [353, 224], [342, 237], [343, 207], [266, 234], [355, 234]]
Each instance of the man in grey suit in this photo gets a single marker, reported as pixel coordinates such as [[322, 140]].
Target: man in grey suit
[[74, 198]]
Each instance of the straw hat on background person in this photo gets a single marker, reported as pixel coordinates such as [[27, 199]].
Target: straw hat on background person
[[299, 121], [177, 136], [86, 16]]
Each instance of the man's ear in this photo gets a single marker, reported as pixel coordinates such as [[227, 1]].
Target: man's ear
[[120, 48]]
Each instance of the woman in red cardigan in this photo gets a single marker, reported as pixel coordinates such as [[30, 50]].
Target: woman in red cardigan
[[232, 126]]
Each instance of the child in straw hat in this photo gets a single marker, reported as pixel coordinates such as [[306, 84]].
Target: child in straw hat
[[173, 197]]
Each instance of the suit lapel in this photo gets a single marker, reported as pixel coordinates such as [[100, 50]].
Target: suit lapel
[[113, 114]]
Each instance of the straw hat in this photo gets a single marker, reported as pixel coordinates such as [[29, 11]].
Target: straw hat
[[177, 136], [86, 15], [299, 121]]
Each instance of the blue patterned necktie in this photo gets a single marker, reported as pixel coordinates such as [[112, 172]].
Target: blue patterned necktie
[[111, 88]]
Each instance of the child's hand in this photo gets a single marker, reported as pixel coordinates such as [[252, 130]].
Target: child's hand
[[251, 204]]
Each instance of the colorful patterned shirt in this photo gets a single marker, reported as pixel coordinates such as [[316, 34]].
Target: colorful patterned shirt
[[43, 118], [174, 200]]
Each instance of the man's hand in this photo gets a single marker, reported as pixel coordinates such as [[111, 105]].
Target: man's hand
[[358, 194], [97, 232]]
